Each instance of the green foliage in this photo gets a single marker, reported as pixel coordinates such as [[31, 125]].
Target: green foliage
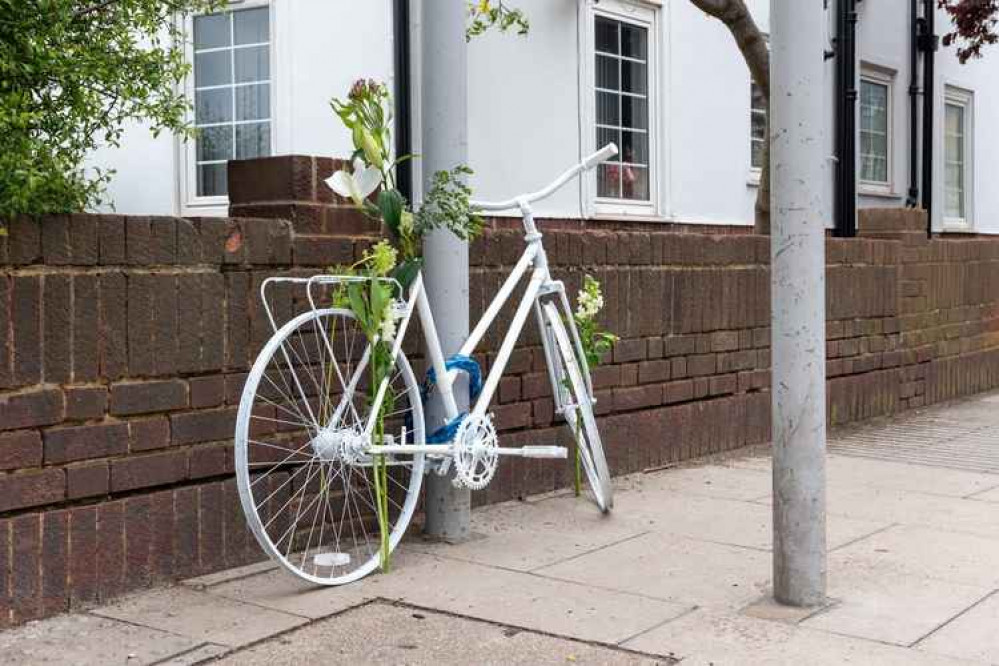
[[366, 114], [448, 206], [72, 73], [487, 14], [595, 340], [596, 343]]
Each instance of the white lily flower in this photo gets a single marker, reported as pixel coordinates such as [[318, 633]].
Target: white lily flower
[[357, 186]]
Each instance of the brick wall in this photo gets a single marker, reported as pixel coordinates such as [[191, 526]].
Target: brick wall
[[124, 343]]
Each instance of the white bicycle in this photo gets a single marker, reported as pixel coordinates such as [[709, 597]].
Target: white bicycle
[[304, 442]]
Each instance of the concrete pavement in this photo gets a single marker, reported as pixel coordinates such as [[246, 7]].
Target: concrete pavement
[[679, 571]]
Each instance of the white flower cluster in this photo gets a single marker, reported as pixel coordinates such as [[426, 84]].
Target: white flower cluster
[[388, 328], [589, 303]]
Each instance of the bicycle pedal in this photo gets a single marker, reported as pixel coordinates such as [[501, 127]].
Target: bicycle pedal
[[545, 452]]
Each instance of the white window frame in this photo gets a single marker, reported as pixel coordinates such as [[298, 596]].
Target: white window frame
[[647, 14], [190, 203], [883, 77], [965, 99]]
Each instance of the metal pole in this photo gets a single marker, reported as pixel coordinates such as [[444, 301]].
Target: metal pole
[[445, 145], [798, 301]]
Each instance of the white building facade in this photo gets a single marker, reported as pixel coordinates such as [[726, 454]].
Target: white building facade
[[658, 77]]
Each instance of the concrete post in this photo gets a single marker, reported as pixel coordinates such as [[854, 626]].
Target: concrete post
[[444, 105], [797, 258]]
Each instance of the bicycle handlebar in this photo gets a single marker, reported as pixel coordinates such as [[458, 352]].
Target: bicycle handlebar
[[588, 163]]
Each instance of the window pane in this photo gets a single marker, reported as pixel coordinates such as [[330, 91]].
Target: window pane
[[211, 32], [609, 181], [212, 69], [756, 158], [606, 29], [634, 112], [633, 77], [607, 73], [758, 128], [635, 183], [874, 131], [607, 109], [211, 180], [253, 140], [251, 26], [622, 108], [605, 136], [213, 106], [955, 119], [253, 102], [252, 64], [757, 101], [215, 143], [635, 148], [633, 42], [874, 106]]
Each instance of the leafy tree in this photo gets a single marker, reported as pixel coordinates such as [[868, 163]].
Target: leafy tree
[[975, 25], [72, 73]]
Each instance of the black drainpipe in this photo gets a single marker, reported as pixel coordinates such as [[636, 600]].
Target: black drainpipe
[[846, 120], [403, 120], [915, 35], [928, 45]]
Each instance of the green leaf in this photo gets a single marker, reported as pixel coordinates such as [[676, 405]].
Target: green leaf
[[391, 204], [406, 272], [357, 304]]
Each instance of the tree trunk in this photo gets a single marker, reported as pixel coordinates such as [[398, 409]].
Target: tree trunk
[[753, 46]]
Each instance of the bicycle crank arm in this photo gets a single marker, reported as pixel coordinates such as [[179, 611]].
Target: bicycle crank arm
[[448, 449], [410, 449], [535, 452]]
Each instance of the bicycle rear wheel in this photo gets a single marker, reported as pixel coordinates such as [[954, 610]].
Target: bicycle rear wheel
[[307, 488], [577, 408]]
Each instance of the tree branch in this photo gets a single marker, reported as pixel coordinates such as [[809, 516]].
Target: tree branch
[[753, 46]]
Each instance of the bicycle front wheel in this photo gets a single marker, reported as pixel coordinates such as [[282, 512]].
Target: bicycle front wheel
[[307, 486], [577, 409]]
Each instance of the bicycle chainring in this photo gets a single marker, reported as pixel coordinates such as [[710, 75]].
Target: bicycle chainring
[[475, 453]]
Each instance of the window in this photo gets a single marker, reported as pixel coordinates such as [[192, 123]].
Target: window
[[232, 94], [758, 126], [957, 123], [875, 130], [622, 87]]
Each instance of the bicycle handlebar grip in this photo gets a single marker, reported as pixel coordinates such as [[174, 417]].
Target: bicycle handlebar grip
[[545, 452], [608, 151]]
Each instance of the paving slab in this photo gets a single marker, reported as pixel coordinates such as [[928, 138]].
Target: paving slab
[[990, 495], [281, 591], [707, 637], [202, 617], [519, 599], [227, 575], [722, 520], [930, 552], [381, 633], [973, 635], [846, 471], [529, 535], [83, 639], [732, 483], [676, 569], [891, 608]]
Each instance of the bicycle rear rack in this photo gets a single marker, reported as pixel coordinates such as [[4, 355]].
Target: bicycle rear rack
[[310, 284]]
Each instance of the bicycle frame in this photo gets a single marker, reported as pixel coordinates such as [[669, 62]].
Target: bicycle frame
[[540, 284]]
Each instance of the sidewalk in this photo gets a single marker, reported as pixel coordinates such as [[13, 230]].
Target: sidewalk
[[680, 570]]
